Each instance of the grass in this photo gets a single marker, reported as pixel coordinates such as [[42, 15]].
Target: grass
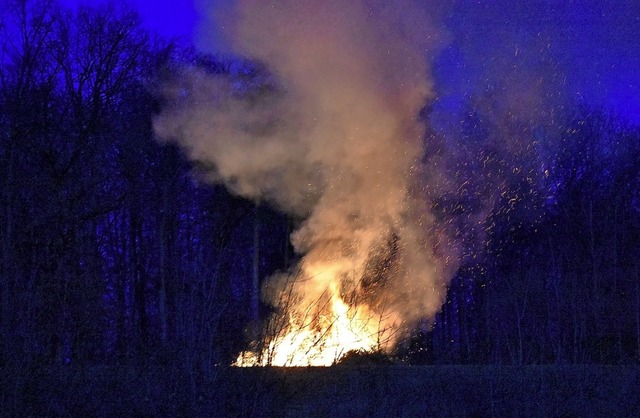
[[340, 391]]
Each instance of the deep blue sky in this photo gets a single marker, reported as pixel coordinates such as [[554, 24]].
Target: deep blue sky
[[595, 42], [172, 18]]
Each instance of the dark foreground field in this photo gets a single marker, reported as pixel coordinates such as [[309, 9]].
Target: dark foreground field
[[367, 391]]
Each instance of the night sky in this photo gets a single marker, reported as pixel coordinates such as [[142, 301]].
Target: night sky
[[594, 44]]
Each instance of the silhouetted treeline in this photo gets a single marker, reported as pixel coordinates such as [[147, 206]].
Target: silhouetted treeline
[[557, 280], [111, 250], [114, 251]]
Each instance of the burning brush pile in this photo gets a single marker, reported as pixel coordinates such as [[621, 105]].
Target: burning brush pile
[[329, 309]]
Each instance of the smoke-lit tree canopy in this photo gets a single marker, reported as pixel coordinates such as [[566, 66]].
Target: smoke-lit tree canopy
[[384, 166]]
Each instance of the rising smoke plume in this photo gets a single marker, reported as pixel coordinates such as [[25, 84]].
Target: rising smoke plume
[[334, 138]]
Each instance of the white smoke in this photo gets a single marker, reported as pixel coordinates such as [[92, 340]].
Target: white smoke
[[337, 141], [332, 136]]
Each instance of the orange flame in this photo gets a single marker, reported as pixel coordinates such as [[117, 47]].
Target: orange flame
[[321, 327]]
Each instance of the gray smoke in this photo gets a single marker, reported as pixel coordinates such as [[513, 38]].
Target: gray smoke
[[332, 135]]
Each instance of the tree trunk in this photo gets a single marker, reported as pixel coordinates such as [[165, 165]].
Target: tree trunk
[[255, 291], [637, 312], [7, 276], [138, 279], [162, 297]]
